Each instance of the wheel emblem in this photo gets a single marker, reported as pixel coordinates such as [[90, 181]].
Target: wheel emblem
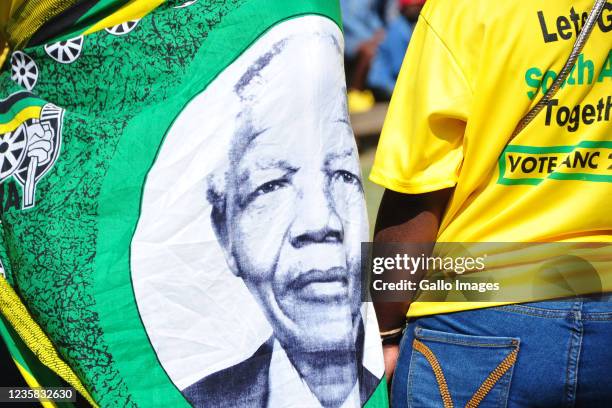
[[186, 4], [67, 51], [24, 70], [123, 28], [12, 151]]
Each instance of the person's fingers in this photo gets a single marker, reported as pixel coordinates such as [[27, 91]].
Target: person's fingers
[[40, 145], [40, 154], [36, 130]]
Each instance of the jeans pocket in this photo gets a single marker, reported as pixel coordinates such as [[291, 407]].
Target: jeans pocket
[[458, 370]]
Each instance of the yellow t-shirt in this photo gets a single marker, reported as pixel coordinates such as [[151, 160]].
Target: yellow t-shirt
[[472, 70]]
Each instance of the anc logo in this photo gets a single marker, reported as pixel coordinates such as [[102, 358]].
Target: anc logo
[[30, 140], [587, 161]]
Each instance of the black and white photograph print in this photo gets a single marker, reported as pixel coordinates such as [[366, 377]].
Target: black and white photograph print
[[247, 275]]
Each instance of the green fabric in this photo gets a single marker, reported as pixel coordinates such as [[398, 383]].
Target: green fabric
[[24, 103], [224, 46], [24, 357], [380, 398], [102, 7], [6, 267], [72, 247]]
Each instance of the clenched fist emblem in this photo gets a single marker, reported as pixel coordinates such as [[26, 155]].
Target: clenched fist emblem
[[40, 142], [30, 150]]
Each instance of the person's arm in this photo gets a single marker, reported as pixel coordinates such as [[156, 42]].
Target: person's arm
[[389, 56], [405, 218], [360, 23]]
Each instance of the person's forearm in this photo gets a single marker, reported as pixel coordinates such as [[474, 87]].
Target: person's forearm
[[413, 219]]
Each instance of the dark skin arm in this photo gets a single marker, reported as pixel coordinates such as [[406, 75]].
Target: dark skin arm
[[408, 219]]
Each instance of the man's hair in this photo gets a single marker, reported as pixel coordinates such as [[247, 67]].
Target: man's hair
[[217, 181], [255, 69]]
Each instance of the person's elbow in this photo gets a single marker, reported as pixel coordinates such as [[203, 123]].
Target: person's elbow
[[410, 217]]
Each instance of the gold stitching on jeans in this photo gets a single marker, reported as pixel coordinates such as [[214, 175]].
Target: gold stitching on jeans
[[437, 369], [492, 379]]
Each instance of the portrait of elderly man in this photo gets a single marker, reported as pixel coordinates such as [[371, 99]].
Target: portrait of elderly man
[[289, 214]]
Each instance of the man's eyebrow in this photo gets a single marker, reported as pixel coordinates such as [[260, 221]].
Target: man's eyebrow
[[265, 164], [268, 164], [338, 155], [251, 136]]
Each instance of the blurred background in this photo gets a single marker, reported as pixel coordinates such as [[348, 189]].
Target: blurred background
[[376, 35]]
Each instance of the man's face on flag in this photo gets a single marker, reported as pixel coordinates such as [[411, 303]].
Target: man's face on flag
[[294, 198]]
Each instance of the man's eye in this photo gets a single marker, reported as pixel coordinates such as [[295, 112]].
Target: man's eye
[[346, 177], [269, 187]]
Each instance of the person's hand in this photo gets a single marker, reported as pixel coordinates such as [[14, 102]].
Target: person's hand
[[40, 142], [390, 354], [367, 49]]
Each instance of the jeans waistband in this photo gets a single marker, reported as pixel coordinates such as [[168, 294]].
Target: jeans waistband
[[590, 307]]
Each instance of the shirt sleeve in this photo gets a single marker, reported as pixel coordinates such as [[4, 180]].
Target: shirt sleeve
[[421, 145]]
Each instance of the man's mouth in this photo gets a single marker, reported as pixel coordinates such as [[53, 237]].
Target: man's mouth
[[318, 285]]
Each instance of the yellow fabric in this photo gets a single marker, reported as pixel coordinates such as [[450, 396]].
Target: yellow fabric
[[133, 10], [33, 336], [27, 18], [7, 8], [32, 112], [4, 51], [19, 20], [472, 70], [17, 24], [33, 383]]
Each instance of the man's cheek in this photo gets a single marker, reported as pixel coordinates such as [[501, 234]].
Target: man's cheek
[[260, 241], [349, 204], [355, 229], [358, 217]]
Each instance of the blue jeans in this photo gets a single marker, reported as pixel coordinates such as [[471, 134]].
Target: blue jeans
[[545, 354]]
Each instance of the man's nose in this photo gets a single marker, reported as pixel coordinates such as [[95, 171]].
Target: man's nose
[[316, 219]]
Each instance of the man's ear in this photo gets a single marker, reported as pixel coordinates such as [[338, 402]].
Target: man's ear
[[231, 261], [219, 224]]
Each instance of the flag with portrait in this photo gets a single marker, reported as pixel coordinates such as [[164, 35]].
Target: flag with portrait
[[183, 208]]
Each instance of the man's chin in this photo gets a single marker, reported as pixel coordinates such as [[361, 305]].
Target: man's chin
[[318, 327], [324, 335]]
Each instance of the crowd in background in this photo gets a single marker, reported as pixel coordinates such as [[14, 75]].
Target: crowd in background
[[376, 33]]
